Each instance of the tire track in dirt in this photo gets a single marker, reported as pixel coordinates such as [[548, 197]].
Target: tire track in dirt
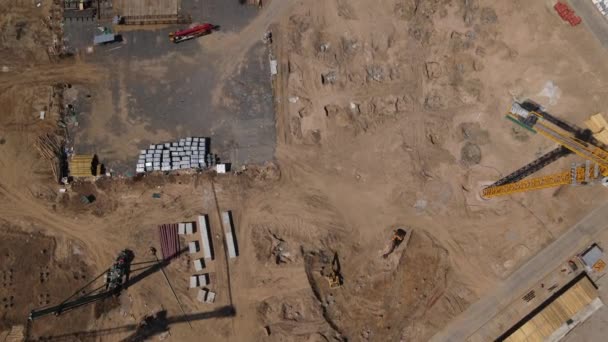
[[48, 74]]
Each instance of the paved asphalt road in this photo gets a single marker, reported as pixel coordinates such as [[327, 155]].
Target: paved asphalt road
[[592, 19], [525, 277]]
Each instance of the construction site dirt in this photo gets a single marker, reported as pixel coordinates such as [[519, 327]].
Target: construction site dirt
[[383, 115]]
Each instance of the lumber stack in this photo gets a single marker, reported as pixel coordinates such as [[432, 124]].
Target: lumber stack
[[599, 127], [49, 147]]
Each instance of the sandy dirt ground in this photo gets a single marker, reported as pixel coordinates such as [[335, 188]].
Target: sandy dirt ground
[[389, 113]]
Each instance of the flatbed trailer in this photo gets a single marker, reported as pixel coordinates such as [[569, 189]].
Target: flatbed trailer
[[196, 31]]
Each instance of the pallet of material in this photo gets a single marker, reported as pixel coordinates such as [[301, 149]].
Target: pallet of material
[[596, 123], [602, 137]]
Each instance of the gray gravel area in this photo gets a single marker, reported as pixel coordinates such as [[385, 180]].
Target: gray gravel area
[[242, 129]]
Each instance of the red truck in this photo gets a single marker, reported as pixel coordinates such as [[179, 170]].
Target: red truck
[[196, 31]]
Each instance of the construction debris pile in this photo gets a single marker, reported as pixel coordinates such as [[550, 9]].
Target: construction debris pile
[[187, 153]]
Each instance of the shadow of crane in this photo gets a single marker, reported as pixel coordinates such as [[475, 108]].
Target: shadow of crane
[[150, 326]]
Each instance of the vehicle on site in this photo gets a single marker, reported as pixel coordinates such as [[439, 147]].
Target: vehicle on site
[[190, 33], [396, 240], [333, 273]]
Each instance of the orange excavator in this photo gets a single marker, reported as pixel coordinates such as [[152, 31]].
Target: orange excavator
[[333, 275], [396, 240]]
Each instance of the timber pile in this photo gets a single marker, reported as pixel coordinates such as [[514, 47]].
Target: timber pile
[[599, 127], [49, 146]]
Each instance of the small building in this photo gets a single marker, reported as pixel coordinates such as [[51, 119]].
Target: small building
[[592, 255]]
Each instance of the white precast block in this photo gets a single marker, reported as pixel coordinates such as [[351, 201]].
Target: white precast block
[[229, 231], [189, 228], [231, 246], [193, 281], [198, 265], [205, 239], [210, 298], [193, 247], [203, 280], [181, 229], [202, 294]]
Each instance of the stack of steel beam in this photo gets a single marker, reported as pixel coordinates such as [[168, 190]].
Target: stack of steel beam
[[169, 241], [186, 153]]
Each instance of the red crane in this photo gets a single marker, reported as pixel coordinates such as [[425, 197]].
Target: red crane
[[196, 31]]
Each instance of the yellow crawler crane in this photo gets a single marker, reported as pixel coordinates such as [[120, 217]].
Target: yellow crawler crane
[[594, 170]]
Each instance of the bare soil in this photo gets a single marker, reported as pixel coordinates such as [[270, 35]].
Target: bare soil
[[389, 114]]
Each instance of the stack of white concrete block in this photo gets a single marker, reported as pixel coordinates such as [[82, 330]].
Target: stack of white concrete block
[[200, 280], [602, 6], [206, 296], [185, 228], [187, 153]]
